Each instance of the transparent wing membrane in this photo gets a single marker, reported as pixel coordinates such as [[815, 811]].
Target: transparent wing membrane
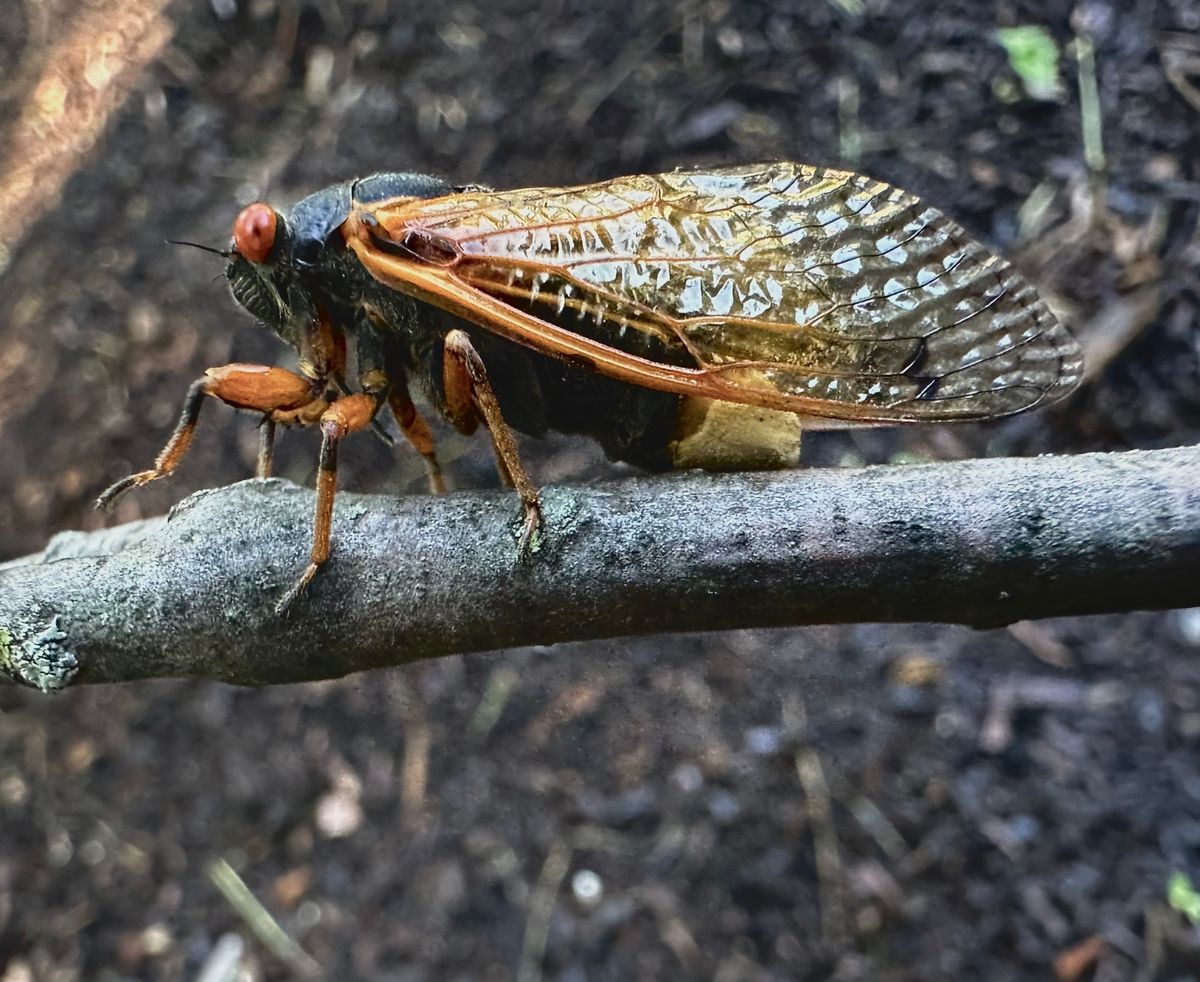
[[784, 285]]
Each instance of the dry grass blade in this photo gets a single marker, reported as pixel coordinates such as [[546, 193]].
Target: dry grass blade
[[825, 841], [1180, 55], [541, 908], [415, 770], [500, 685], [1089, 105], [233, 888]]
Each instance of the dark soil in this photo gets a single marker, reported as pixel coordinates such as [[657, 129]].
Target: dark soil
[[850, 803]]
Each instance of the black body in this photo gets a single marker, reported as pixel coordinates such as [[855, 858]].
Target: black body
[[310, 270]]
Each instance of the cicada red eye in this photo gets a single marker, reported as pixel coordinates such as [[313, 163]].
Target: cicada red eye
[[254, 232]]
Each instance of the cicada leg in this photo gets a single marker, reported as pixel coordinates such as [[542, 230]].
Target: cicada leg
[[266, 448], [416, 431], [263, 388], [344, 416], [469, 395]]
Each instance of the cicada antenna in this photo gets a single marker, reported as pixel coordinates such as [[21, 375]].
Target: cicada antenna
[[223, 253]]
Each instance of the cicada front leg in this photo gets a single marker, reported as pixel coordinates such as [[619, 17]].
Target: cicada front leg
[[275, 392], [469, 396], [344, 416]]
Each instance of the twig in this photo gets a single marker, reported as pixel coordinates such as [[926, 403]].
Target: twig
[[1011, 695], [985, 542]]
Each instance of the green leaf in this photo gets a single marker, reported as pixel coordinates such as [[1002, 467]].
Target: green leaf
[[1182, 896], [1033, 54]]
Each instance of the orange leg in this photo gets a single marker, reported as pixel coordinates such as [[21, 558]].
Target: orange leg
[[469, 396], [263, 388], [418, 434], [343, 417]]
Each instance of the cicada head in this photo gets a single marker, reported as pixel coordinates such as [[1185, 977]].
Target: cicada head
[[282, 266], [278, 262]]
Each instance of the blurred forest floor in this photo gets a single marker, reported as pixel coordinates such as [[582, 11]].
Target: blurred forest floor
[[852, 803]]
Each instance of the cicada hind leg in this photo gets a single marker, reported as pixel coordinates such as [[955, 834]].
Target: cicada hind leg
[[416, 431], [469, 396]]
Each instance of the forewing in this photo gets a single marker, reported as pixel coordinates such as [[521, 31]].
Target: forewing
[[785, 285]]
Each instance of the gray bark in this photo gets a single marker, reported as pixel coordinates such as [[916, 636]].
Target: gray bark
[[981, 542]]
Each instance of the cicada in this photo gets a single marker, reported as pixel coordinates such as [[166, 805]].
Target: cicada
[[688, 319]]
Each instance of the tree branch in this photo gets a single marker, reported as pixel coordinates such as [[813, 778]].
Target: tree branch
[[981, 542]]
